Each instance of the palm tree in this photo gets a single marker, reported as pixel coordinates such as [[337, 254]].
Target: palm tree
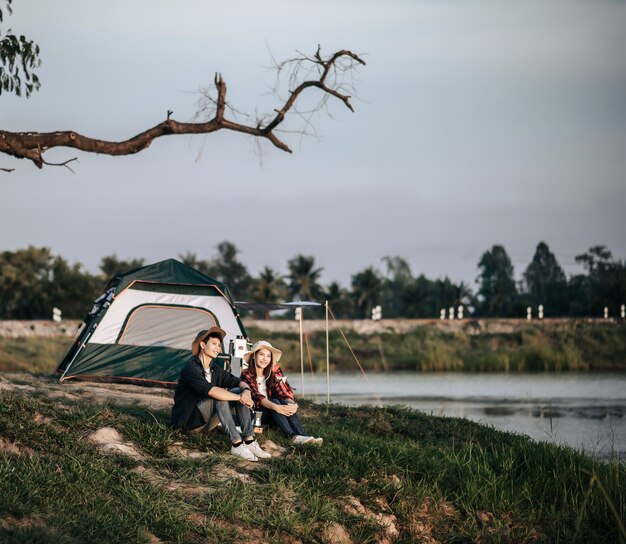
[[398, 279], [228, 269], [303, 278], [268, 287], [418, 298], [366, 289], [191, 259], [463, 295], [338, 300], [111, 266]]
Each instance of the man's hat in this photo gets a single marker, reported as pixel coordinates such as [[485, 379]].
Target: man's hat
[[203, 335]]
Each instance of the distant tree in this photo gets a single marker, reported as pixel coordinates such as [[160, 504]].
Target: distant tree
[[605, 284], [227, 268], [426, 298], [366, 291], [268, 287], [71, 289], [418, 298], [545, 282], [304, 278], [395, 283], [445, 293], [24, 274], [579, 296], [497, 291], [111, 265], [405, 296], [33, 281], [596, 260], [463, 295], [398, 269], [339, 300], [191, 259]]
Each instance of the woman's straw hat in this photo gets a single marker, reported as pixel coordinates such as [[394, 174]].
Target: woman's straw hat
[[262, 344]]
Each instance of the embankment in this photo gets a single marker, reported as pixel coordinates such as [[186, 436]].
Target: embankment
[[471, 345]]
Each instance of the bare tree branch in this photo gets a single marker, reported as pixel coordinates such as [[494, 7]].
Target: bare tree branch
[[33, 145], [64, 163]]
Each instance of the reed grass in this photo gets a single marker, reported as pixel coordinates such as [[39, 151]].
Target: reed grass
[[538, 348]]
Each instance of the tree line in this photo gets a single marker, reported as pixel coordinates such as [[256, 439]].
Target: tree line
[[33, 281]]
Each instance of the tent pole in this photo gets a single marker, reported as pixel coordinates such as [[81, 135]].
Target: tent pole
[[81, 347], [70, 363], [301, 355], [327, 359]]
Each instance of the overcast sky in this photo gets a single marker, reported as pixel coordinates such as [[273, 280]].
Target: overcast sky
[[476, 123]]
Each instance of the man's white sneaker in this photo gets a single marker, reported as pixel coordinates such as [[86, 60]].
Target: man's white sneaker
[[318, 440], [243, 452], [301, 439], [256, 449]]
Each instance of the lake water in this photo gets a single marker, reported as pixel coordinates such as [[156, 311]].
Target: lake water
[[585, 410]]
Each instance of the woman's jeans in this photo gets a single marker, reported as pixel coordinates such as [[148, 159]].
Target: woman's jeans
[[289, 425], [223, 408]]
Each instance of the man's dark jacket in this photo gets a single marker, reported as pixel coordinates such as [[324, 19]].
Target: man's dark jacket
[[193, 387]]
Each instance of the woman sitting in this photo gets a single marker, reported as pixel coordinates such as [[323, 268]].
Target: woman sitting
[[272, 394]]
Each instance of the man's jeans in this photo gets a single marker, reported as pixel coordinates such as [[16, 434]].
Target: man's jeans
[[289, 425], [210, 406]]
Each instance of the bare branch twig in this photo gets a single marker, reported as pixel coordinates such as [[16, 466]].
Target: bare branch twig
[[322, 74]]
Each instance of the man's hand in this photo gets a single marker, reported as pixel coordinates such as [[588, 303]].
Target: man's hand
[[246, 398]]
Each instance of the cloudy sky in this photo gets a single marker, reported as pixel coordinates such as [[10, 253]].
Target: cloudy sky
[[477, 123]]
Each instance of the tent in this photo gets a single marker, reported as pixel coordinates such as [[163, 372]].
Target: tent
[[141, 328]]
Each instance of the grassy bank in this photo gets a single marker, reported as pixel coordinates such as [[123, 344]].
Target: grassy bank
[[37, 354], [382, 475], [535, 348], [582, 346]]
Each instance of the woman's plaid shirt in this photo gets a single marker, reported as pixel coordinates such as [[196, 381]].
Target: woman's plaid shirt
[[277, 386]]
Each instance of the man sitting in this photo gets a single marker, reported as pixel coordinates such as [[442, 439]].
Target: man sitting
[[204, 388]]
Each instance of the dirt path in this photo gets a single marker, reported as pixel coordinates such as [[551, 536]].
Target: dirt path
[[151, 397]]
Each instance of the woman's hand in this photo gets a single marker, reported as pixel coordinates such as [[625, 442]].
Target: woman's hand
[[287, 409]]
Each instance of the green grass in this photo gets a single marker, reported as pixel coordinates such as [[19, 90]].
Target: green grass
[[456, 480], [34, 354], [539, 347]]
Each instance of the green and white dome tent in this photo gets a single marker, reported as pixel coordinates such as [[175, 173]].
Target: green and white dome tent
[[141, 328]]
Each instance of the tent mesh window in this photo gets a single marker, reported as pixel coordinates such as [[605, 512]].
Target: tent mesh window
[[165, 326]]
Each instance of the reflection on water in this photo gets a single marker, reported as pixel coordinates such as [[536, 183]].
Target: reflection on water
[[586, 411]]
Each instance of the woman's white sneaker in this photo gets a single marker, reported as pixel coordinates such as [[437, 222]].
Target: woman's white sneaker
[[301, 439], [256, 449], [243, 452]]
